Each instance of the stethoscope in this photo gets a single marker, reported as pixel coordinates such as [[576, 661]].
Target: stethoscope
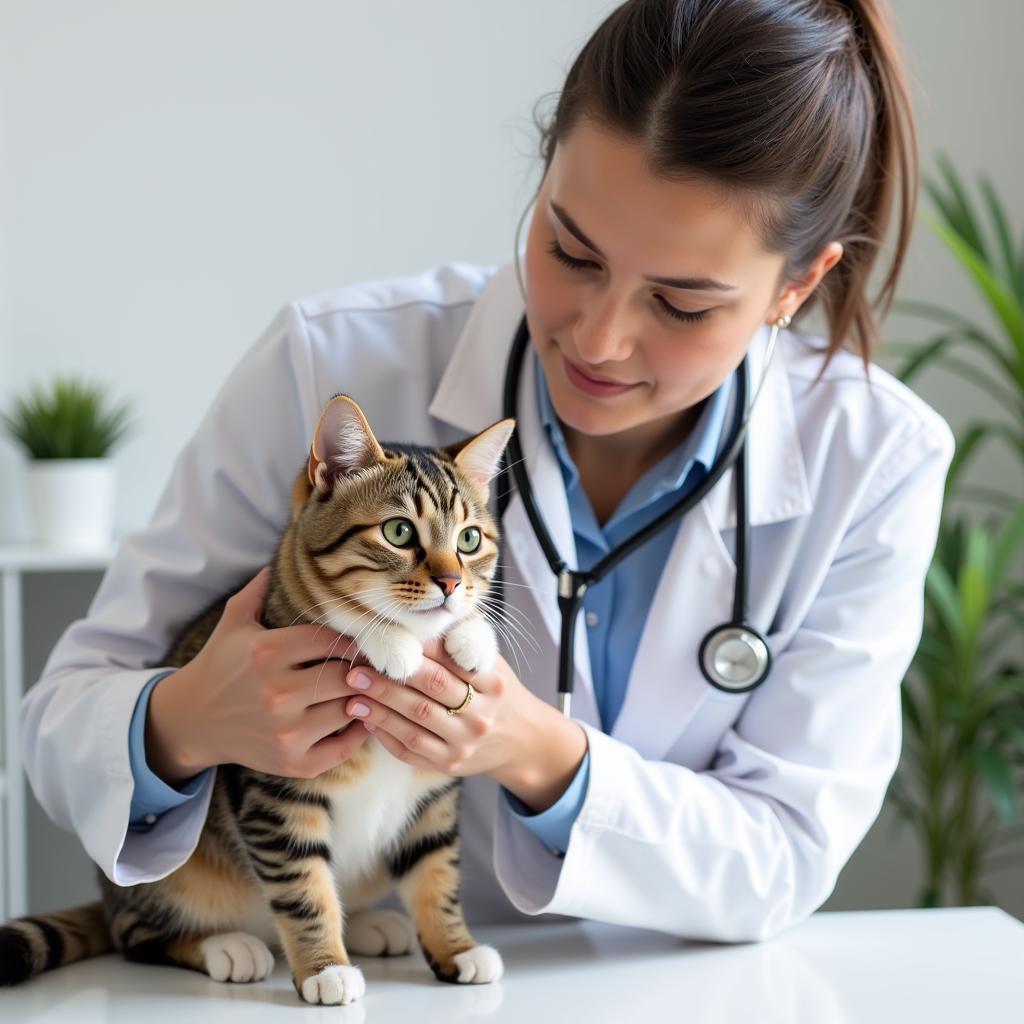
[[734, 657]]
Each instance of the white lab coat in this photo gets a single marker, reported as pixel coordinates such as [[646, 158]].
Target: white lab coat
[[708, 815]]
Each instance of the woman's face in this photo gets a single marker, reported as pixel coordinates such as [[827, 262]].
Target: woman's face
[[603, 231]]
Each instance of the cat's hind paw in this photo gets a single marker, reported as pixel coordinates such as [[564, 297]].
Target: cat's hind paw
[[236, 956], [472, 645], [379, 933], [479, 965], [339, 983]]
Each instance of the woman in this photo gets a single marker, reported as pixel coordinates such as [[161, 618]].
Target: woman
[[712, 169]]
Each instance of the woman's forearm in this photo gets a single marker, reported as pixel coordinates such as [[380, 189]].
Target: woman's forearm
[[550, 757], [171, 752]]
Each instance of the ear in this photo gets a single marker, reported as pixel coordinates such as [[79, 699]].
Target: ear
[[343, 444], [796, 292], [478, 457]]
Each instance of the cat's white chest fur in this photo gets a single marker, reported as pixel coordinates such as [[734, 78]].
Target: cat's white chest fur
[[369, 814]]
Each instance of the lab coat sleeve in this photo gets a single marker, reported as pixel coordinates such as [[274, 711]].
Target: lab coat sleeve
[[216, 524], [755, 843]]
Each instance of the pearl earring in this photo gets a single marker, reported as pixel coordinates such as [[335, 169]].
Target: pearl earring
[[783, 322]]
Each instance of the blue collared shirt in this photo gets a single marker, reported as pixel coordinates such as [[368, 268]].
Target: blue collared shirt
[[616, 608], [151, 796]]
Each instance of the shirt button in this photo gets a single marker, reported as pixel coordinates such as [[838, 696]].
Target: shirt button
[[150, 819], [592, 618]]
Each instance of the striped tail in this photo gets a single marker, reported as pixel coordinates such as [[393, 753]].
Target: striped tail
[[31, 945]]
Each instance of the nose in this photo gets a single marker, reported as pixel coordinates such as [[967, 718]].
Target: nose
[[602, 332], [447, 583]]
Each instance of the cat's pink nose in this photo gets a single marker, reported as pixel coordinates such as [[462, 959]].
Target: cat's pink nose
[[447, 583]]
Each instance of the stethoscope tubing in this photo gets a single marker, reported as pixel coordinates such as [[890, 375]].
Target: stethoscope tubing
[[572, 584]]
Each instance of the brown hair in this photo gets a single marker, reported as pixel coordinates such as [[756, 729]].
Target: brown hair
[[800, 107]]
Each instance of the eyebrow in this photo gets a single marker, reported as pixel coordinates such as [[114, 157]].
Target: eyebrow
[[695, 284]]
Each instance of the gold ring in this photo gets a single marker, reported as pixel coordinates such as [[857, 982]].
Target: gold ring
[[465, 704]]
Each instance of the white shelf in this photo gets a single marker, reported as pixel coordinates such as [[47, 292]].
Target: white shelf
[[16, 559], [43, 558]]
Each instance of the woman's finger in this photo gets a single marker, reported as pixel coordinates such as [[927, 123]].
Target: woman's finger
[[396, 750], [334, 750], [415, 738]]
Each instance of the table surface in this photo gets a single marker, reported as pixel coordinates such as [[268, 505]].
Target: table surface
[[875, 967]]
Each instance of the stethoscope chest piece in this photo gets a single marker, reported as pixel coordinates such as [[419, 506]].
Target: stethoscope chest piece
[[735, 658]]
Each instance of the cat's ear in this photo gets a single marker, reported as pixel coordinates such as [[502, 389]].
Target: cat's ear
[[343, 444], [478, 457]]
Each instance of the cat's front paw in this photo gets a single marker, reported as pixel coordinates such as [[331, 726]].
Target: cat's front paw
[[472, 645], [339, 983], [479, 965], [394, 651]]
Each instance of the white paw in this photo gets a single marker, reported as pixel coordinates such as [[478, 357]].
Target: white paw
[[479, 965], [379, 933], [339, 983], [394, 651], [235, 956], [472, 645]]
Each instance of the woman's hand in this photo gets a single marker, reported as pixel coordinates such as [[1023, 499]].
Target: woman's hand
[[249, 698], [506, 731]]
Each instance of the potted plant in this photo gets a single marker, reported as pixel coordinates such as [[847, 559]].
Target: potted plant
[[963, 699], [68, 433]]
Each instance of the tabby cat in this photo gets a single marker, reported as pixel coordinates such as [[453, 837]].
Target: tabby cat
[[373, 532]]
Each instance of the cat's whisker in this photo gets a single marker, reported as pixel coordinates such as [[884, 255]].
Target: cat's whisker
[[504, 603], [511, 642], [524, 586], [500, 469], [496, 609], [380, 615]]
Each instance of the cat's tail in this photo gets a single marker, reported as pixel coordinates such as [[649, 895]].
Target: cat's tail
[[31, 945]]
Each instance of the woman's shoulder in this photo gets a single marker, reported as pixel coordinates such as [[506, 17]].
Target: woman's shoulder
[[441, 287], [873, 405]]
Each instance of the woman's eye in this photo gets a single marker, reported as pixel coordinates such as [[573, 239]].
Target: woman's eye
[[570, 261], [469, 540], [577, 264], [398, 532], [682, 314]]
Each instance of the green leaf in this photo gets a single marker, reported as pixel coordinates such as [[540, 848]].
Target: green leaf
[[1004, 302], [973, 583], [997, 773], [942, 594], [1005, 549], [1001, 225]]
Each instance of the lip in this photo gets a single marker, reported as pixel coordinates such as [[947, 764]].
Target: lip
[[601, 389]]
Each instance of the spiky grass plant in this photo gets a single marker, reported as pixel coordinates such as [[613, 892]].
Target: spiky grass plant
[[72, 419]]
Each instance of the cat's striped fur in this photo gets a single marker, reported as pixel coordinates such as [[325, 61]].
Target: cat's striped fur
[[297, 860]]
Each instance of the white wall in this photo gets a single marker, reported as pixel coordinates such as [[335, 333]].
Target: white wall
[[175, 172]]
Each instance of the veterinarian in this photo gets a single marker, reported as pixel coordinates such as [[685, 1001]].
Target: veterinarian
[[712, 173]]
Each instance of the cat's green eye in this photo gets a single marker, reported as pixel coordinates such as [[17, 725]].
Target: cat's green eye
[[399, 532], [469, 540]]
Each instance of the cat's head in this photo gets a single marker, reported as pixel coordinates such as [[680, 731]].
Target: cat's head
[[399, 530]]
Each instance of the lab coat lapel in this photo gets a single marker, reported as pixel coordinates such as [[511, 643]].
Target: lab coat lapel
[[469, 397], [694, 594]]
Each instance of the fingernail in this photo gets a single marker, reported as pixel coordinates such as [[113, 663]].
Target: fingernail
[[360, 710], [369, 727], [358, 680]]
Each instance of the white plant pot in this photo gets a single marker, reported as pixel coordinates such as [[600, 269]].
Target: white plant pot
[[71, 502]]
